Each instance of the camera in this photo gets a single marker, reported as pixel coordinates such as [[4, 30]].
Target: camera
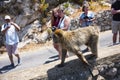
[[53, 28], [86, 17]]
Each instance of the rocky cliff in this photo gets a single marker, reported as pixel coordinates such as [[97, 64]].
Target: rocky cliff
[[34, 18]]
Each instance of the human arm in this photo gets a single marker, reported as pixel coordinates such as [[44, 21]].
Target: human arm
[[66, 24], [113, 11], [81, 19], [84, 18], [92, 16], [4, 29], [16, 26]]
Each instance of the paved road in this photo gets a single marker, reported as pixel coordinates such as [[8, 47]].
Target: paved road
[[44, 55]]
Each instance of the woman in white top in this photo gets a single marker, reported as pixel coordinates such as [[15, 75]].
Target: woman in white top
[[64, 24]]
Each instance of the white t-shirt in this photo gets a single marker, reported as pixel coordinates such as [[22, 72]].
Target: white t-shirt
[[11, 34]]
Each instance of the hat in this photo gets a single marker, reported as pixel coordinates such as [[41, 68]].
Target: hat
[[7, 17]]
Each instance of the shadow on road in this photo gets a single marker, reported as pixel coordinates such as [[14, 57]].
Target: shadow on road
[[53, 58], [113, 44], [6, 68], [73, 70]]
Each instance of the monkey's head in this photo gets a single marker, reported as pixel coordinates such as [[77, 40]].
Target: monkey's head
[[59, 33]]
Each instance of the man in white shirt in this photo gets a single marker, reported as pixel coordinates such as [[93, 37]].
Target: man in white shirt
[[10, 30]]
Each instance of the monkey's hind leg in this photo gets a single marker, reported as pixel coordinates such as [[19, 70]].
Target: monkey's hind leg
[[94, 46], [87, 65], [64, 53], [82, 58]]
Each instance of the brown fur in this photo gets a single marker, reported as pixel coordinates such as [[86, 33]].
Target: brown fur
[[72, 40]]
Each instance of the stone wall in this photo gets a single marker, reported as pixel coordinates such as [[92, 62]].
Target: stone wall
[[103, 21]]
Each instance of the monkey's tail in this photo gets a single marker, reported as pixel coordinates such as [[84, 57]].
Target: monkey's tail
[[89, 69]]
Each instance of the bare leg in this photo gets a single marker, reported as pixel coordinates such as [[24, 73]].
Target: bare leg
[[17, 55], [58, 48], [114, 38], [11, 58], [119, 37]]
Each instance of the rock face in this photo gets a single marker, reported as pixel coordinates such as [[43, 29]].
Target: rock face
[[26, 13], [29, 19], [103, 20]]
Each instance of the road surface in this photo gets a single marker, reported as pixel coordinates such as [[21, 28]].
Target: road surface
[[44, 55]]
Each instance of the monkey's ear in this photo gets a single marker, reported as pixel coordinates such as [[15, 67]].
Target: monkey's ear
[[59, 32]]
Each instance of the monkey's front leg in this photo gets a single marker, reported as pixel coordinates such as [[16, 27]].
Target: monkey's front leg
[[64, 53]]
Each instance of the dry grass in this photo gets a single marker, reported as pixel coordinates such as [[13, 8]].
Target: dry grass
[[33, 46], [96, 7]]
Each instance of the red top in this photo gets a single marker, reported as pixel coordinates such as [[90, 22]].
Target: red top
[[56, 21]]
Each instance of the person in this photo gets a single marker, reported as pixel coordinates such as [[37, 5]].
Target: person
[[11, 38], [54, 23], [87, 17], [64, 24], [115, 10], [55, 19]]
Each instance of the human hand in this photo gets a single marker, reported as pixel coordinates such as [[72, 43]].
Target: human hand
[[12, 23], [53, 28], [8, 25], [86, 20], [114, 11]]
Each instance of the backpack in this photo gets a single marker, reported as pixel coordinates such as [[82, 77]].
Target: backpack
[[2, 37]]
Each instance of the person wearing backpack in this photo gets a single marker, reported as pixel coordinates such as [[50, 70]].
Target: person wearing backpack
[[9, 29]]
